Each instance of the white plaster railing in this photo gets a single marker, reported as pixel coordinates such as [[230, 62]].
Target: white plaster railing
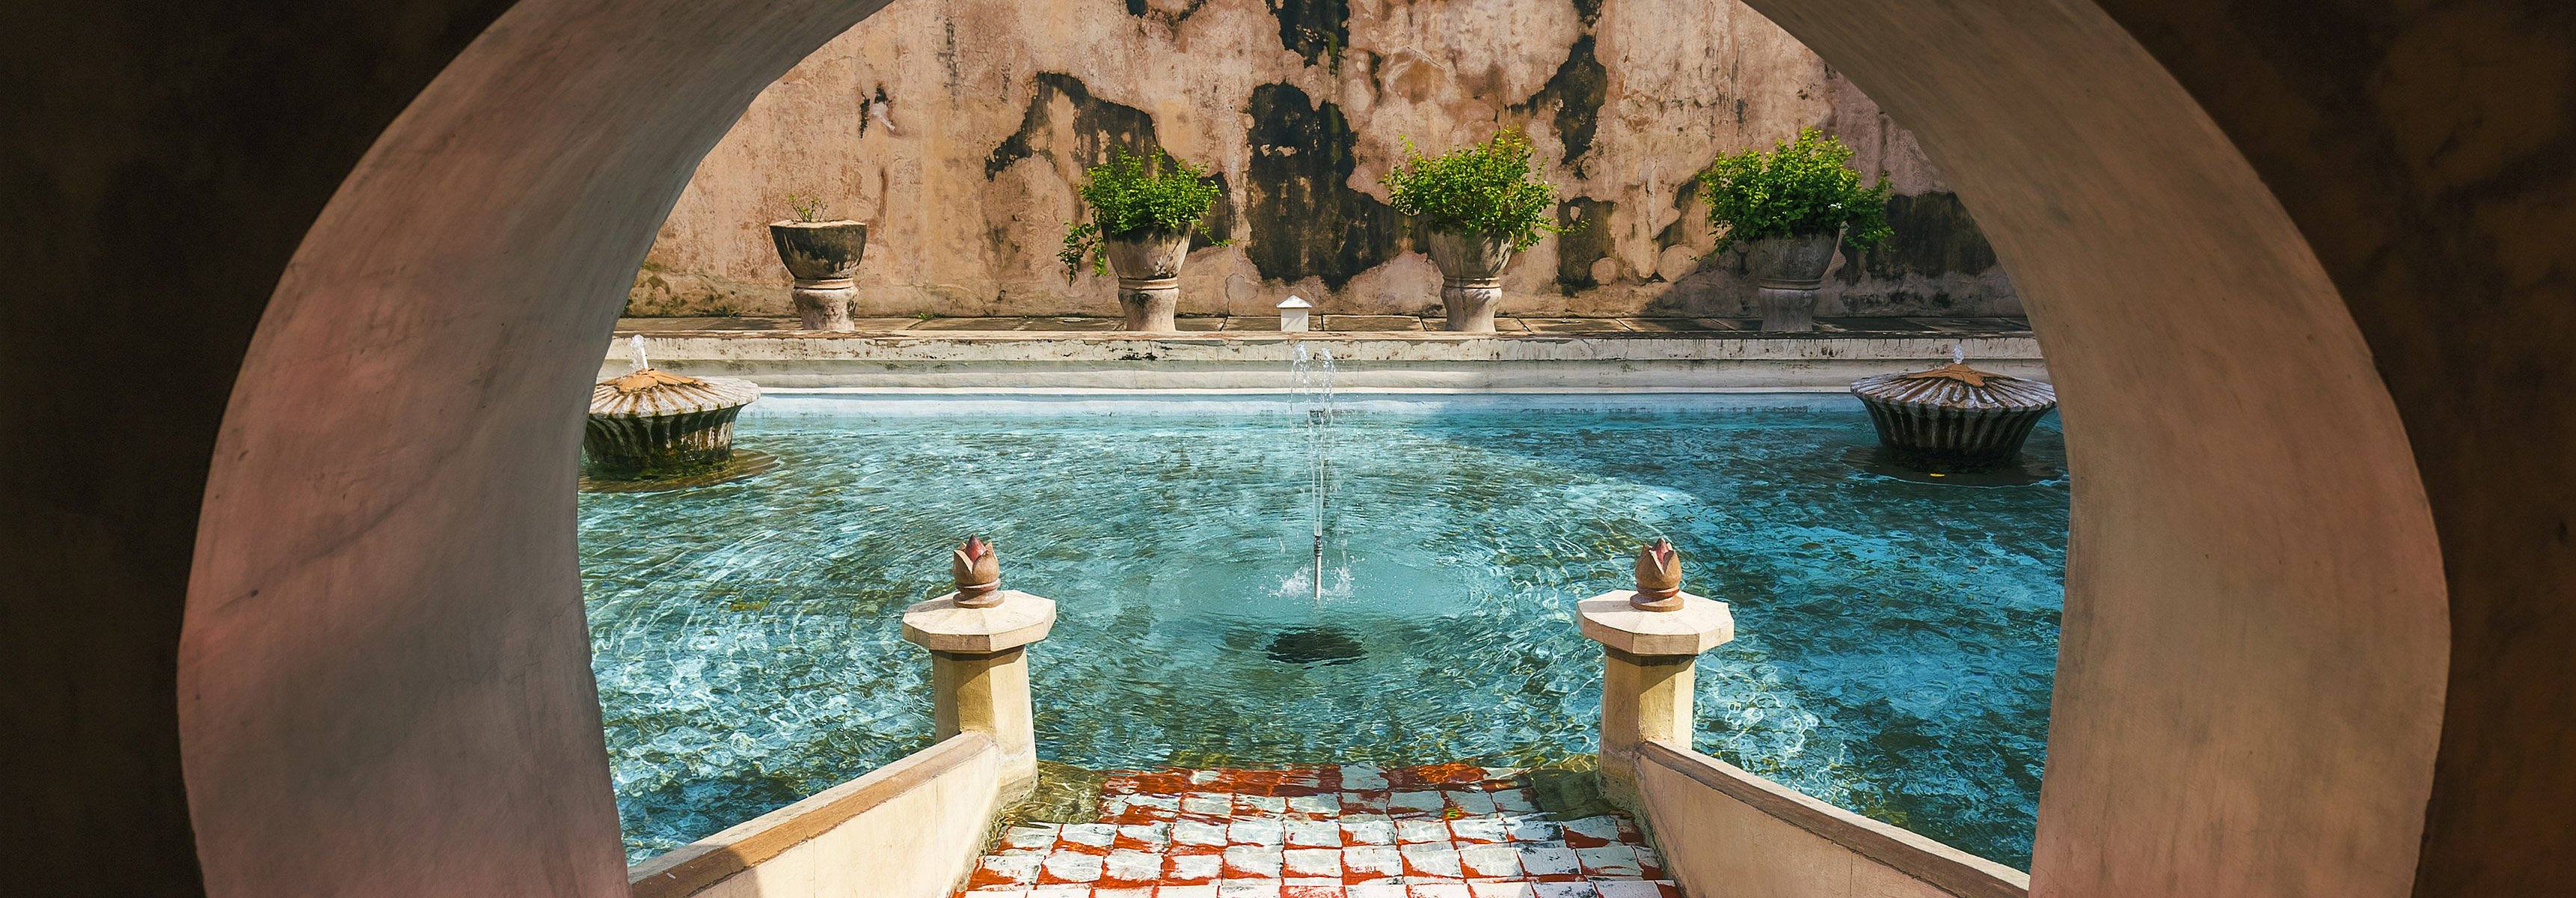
[[911, 829], [1728, 832]]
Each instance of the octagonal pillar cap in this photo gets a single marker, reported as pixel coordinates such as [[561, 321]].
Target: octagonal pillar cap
[[941, 626], [1699, 625]]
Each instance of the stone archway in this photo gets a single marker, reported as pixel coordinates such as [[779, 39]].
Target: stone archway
[[383, 680]]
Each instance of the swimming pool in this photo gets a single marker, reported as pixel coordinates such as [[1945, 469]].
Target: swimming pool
[[1895, 639]]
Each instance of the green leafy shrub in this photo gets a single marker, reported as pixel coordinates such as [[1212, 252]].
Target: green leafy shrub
[[1488, 188], [1133, 195], [1803, 186], [807, 209]]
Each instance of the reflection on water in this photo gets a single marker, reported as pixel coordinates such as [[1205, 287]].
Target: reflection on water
[[1895, 639]]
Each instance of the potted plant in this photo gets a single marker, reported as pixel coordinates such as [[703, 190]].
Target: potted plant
[[1143, 209], [823, 257], [1483, 202], [1791, 206]]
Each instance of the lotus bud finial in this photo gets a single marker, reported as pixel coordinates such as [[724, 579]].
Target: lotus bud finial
[[1659, 577], [978, 573]]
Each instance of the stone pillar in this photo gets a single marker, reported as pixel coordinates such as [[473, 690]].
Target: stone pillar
[[824, 305], [1651, 639], [978, 639]]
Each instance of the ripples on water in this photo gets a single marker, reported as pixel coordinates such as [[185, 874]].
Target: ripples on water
[[1895, 640]]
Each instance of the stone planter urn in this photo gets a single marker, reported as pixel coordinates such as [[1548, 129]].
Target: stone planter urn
[[1148, 265], [1954, 417], [1788, 272], [651, 423], [1471, 278], [823, 256]]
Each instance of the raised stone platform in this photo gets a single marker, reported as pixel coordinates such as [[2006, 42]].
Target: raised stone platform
[[1380, 352]]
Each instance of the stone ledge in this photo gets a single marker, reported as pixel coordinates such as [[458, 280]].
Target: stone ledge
[[1699, 625], [941, 626]]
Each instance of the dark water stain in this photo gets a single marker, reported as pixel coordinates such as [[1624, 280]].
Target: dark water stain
[[1576, 92], [868, 104], [1304, 218], [1587, 241], [1143, 9], [1685, 195], [1934, 236], [1314, 29], [1098, 125], [1590, 10]]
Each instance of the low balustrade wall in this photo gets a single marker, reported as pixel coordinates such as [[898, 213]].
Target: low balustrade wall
[[911, 829], [1727, 832]]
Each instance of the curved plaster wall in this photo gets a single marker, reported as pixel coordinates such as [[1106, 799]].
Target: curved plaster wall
[[383, 674]]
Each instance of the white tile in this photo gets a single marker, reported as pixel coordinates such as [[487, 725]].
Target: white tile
[[1489, 861], [1194, 866], [1097, 835], [1501, 889], [1260, 804], [1203, 777], [1192, 832], [1314, 833], [1362, 777], [1603, 828], [1255, 832], [1514, 801], [1213, 804], [1252, 861], [1562, 890], [1438, 890], [1155, 835], [1312, 862], [1483, 830], [1248, 888], [1475, 803], [1374, 890], [1317, 805], [1134, 892], [1157, 802], [1412, 832], [1546, 860], [1061, 891], [1068, 866], [1023, 892], [1417, 803], [1609, 860], [1372, 861], [1038, 838], [1649, 862], [1205, 891], [1132, 866], [1021, 869], [1431, 860], [1368, 830], [1532, 829]]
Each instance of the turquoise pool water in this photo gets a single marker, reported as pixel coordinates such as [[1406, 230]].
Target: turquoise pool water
[[1896, 639]]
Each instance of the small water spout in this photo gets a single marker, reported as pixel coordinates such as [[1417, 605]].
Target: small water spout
[[1313, 376], [635, 351]]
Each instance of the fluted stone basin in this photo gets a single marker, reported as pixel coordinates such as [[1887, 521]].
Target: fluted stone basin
[[652, 424], [1954, 416]]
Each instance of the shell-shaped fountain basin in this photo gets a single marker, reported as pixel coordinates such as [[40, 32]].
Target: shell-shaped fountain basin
[[1954, 416]]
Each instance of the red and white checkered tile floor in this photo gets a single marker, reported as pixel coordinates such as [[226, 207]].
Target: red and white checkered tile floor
[[1442, 831]]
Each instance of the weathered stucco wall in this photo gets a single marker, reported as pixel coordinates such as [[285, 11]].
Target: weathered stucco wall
[[959, 129]]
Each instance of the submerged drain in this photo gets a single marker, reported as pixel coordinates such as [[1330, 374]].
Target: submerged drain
[[1314, 645]]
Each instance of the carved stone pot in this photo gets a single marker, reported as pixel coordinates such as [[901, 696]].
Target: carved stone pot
[[1954, 417], [1148, 264], [1471, 277], [822, 256], [1788, 272], [651, 423]]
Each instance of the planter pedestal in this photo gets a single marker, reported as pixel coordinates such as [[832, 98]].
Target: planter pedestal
[[1471, 278], [824, 305], [1788, 274], [1148, 304]]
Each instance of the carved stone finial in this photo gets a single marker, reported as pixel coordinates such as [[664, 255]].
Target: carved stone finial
[[978, 573], [1659, 578]]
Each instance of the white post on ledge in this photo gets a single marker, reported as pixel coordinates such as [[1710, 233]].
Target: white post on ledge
[[1293, 316], [1651, 638], [978, 639]]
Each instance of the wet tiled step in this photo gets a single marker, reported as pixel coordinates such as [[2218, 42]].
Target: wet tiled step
[[1348, 831]]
